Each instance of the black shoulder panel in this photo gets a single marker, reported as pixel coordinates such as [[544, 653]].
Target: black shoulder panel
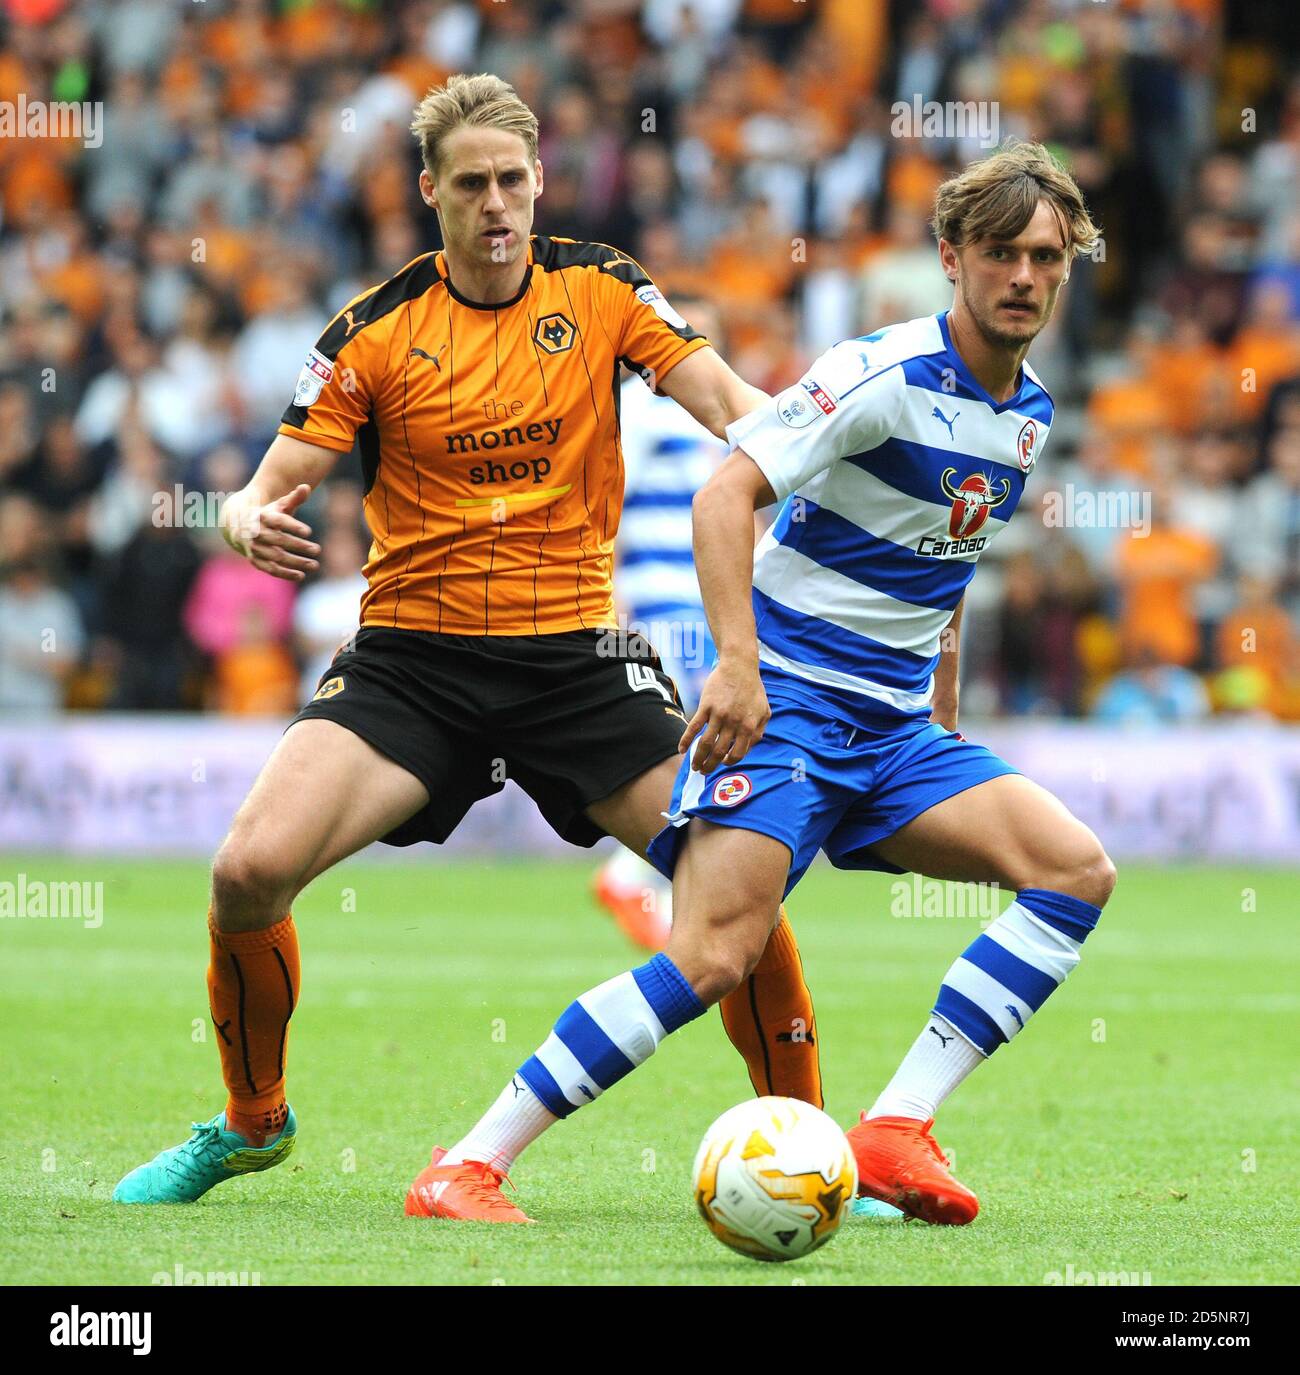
[[413, 280], [553, 255]]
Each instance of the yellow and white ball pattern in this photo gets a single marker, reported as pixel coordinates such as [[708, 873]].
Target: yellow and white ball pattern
[[774, 1178]]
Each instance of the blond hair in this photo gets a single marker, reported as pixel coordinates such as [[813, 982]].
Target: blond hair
[[483, 100], [996, 198]]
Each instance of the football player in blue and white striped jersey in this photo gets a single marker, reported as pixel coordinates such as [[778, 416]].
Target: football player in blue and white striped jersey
[[830, 720]]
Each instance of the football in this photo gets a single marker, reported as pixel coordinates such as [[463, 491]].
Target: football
[[774, 1178]]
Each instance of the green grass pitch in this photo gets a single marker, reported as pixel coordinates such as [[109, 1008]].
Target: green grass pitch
[[1145, 1123]]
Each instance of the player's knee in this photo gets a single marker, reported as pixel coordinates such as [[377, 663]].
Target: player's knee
[[1103, 876], [722, 955], [720, 970], [1088, 875], [249, 886]]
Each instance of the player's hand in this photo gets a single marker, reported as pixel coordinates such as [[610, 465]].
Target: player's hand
[[270, 536], [731, 717]]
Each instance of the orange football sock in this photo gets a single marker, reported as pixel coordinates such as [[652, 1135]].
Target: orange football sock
[[252, 991], [770, 1021]]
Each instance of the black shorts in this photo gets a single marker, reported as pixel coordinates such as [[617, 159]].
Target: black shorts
[[570, 717]]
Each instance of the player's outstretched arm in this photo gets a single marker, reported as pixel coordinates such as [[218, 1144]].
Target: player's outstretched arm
[[733, 707], [703, 384], [258, 521]]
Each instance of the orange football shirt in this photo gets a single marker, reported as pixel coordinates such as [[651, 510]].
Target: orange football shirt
[[489, 435]]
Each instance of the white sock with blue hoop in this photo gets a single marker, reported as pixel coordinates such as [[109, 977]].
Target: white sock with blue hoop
[[988, 995], [598, 1039]]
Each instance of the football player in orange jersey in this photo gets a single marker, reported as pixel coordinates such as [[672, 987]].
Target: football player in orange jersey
[[480, 385]]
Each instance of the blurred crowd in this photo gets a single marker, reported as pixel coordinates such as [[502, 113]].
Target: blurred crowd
[[162, 282]]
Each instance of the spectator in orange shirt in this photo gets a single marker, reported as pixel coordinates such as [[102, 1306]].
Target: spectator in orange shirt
[[1194, 378], [256, 676], [1130, 409], [1257, 633], [1158, 573], [1266, 349]]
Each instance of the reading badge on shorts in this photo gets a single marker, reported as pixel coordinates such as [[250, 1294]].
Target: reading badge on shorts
[[732, 790]]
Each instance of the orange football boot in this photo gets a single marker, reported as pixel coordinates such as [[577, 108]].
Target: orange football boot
[[627, 906], [899, 1162], [470, 1192]]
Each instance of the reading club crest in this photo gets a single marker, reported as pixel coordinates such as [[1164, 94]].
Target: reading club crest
[[732, 790], [1026, 445]]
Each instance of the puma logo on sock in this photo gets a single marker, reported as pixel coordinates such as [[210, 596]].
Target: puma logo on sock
[[940, 1035]]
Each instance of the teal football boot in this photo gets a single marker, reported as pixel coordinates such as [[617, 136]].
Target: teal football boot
[[183, 1173], [876, 1209]]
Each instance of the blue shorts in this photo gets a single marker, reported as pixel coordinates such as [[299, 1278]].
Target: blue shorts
[[816, 781]]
